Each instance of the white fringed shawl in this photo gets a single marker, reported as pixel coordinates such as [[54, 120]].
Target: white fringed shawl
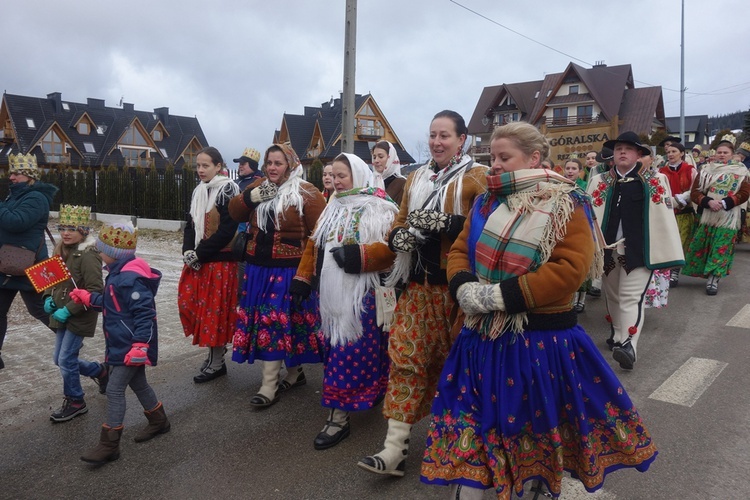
[[727, 178], [206, 196], [290, 194]]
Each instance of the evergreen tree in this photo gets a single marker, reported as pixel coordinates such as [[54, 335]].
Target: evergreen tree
[[718, 137], [315, 174]]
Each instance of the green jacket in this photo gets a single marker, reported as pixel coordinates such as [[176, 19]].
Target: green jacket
[[85, 265]]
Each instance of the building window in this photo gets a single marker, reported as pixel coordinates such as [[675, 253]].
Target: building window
[[30, 123], [156, 134], [65, 106], [100, 129], [133, 137], [164, 152], [84, 128], [560, 116], [190, 153], [585, 114], [369, 128], [54, 148], [89, 147], [135, 157], [573, 89]]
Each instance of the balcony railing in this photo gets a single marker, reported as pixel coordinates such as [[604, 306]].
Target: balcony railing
[[365, 131], [479, 150], [567, 121], [62, 159]]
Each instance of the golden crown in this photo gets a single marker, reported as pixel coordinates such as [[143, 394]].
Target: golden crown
[[745, 146], [573, 156], [74, 215], [19, 161], [252, 153], [729, 138], [119, 236]]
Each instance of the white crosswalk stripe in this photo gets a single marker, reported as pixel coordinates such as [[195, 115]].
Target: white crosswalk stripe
[[689, 382], [741, 319]]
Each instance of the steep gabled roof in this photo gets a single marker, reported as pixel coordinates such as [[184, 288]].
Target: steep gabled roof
[[607, 85], [109, 125], [638, 107]]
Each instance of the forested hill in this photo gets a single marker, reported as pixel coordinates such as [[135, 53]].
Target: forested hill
[[731, 121]]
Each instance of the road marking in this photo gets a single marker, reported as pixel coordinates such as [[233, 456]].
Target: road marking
[[689, 382], [742, 318]]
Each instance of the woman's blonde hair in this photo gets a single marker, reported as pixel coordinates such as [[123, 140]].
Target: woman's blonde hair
[[525, 136]]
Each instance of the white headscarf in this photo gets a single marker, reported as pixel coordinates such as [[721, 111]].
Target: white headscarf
[[392, 167]]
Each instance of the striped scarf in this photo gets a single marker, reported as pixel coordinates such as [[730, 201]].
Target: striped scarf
[[515, 228]]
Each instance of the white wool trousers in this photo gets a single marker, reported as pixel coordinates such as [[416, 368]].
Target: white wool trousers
[[625, 295]]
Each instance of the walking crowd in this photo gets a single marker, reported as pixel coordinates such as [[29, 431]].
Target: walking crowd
[[450, 295]]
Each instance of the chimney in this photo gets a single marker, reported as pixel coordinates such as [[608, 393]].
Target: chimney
[[56, 99], [163, 114], [95, 103], [127, 106], [599, 64]]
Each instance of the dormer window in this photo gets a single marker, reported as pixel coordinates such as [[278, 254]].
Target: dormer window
[[573, 89], [84, 128], [156, 135]]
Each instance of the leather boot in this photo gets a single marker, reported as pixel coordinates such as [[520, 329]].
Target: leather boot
[[392, 459], [108, 448], [268, 393], [335, 430], [157, 424]]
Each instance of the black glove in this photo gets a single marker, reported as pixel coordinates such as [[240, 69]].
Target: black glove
[[429, 220], [339, 256], [403, 241], [299, 290]]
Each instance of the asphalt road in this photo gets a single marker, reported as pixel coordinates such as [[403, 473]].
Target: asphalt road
[[220, 447]]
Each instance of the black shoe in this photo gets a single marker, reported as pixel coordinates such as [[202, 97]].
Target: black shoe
[[285, 386], [70, 409], [594, 292], [625, 355], [712, 289], [261, 401], [102, 379], [324, 440], [207, 376], [578, 307]]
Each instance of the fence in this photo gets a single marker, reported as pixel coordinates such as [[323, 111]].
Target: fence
[[142, 192]]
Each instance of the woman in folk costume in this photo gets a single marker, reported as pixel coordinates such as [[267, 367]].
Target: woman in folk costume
[[282, 210], [436, 199], [525, 394], [718, 191], [347, 252], [205, 296], [387, 170], [681, 176]]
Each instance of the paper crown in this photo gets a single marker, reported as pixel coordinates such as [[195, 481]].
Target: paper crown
[[729, 138], [573, 156], [74, 215], [252, 153], [23, 165], [745, 147], [117, 240]]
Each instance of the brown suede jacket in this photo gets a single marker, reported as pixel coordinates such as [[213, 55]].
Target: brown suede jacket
[[433, 254], [546, 294], [283, 247]]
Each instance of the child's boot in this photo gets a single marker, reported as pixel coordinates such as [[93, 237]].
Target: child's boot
[[158, 423], [108, 448]]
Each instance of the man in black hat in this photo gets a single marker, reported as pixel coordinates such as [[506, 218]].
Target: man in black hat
[[632, 203]]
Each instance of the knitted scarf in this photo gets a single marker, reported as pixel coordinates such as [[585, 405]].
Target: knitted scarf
[[717, 181], [360, 216], [514, 229], [206, 196]]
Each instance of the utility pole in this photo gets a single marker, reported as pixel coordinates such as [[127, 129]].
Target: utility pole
[[682, 77], [350, 63]]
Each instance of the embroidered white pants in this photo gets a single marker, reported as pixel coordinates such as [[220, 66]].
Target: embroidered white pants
[[625, 296]]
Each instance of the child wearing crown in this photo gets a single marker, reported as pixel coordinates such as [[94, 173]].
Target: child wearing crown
[[74, 322], [129, 322]]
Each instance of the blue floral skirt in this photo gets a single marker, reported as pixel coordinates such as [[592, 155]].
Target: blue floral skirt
[[356, 374], [529, 407], [270, 327]]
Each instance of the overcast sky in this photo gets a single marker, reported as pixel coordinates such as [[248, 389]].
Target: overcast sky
[[239, 65]]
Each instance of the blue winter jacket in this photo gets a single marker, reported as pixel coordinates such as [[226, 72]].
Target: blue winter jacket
[[23, 216], [128, 309]]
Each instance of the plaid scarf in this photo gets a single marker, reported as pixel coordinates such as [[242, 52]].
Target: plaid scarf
[[515, 229]]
